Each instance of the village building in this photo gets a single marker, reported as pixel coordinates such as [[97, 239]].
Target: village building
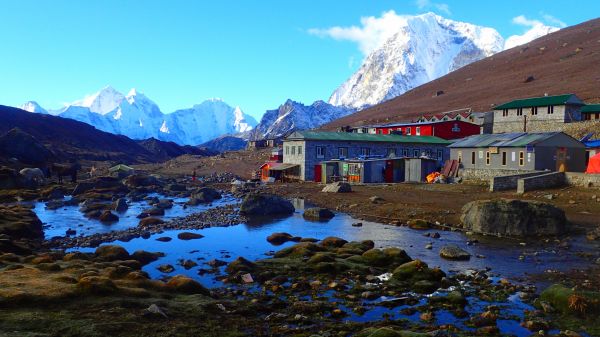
[[306, 150], [530, 114], [454, 129], [590, 112], [554, 151]]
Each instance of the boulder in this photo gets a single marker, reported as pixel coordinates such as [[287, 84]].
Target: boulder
[[82, 188], [150, 221], [164, 204], [264, 204], [18, 222], [206, 194], [108, 216], [154, 211], [332, 241], [145, 257], [279, 238], [112, 253], [240, 265], [186, 285], [189, 236], [418, 224], [176, 187], [453, 252], [317, 213], [141, 180], [10, 179], [514, 218], [166, 268], [337, 187], [120, 205]]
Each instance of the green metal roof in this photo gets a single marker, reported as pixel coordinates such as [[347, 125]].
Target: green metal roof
[[591, 108], [515, 139], [538, 101], [365, 137]]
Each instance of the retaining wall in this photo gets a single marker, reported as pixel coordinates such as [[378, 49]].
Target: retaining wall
[[541, 181], [509, 182], [583, 179]]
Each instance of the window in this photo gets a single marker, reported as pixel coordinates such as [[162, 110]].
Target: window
[[404, 152], [457, 118], [391, 152], [320, 151], [519, 111], [473, 158], [487, 157], [408, 131], [418, 130], [504, 158], [379, 131], [504, 112], [550, 109], [534, 111], [459, 157], [365, 130], [342, 152], [287, 149], [293, 150], [440, 154], [416, 153], [299, 150], [456, 128], [521, 158], [354, 169], [365, 151]]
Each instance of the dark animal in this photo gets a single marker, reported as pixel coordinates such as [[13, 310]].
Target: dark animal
[[65, 170]]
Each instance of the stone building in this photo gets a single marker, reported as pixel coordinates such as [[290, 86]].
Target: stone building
[[531, 114], [554, 151], [591, 112], [305, 150]]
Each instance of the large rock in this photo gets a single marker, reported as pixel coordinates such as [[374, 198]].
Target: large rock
[[264, 204], [453, 252], [112, 253], [206, 194], [24, 147], [19, 222], [120, 205], [513, 218], [10, 179], [317, 213], [108, 217], [186, 285], [141, 180], [338, 187]]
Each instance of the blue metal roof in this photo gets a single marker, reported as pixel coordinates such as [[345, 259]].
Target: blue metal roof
[[514, 139], [592, 143]]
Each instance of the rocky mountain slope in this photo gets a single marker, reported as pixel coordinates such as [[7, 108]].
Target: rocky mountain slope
[[293, 115], [138, 117], [425, 47], [561, 62], [69, 139]]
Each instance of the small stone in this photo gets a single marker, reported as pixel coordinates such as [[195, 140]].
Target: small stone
[[166, 268], [164, 239], [357, 224], [154, 309], [429, 246], [453, 252]]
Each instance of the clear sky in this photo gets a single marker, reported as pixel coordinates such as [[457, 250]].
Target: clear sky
[[254, 54]]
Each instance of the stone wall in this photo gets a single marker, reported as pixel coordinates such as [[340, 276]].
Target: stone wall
[[583, 179], [503, 183], [487, 174], [541, 181]]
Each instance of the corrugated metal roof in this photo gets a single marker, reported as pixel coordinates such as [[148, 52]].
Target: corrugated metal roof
[[365, 137], [592, 143], [283, 167], [392, 125], [536, 101], [591, 108], [515, 139]]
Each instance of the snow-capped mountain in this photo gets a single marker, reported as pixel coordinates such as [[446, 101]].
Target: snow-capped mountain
[[425, 47], [292, 116], [33, 106], [136, 116]]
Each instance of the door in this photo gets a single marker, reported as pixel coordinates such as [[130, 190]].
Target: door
[[318, 173], [561, 159], [389, 171]]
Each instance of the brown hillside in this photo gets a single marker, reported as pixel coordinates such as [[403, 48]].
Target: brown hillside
[[567, 61]]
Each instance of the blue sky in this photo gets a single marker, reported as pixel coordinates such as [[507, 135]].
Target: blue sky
[[254, 54]]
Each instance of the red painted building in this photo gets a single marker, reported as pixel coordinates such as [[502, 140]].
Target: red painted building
[[452, 129]]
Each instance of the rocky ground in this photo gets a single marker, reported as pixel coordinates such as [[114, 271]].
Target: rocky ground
[[310, 288]]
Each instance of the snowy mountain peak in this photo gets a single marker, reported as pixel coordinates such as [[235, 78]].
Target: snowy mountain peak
[[423, 48], [33, 106], [102, 102]]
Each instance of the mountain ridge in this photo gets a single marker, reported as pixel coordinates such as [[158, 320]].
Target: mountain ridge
[[558, 63]]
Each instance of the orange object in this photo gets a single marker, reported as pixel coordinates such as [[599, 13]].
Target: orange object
[[432, 176], [594, 165]]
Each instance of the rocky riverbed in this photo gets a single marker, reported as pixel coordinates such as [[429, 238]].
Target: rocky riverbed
[[324, 275]]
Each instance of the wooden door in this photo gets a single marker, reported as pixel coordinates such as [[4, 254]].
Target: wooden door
[[389, 171], [318, 173], [561, 159]]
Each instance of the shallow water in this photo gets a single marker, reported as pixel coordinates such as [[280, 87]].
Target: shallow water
[[249, 240], [56, 222]]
